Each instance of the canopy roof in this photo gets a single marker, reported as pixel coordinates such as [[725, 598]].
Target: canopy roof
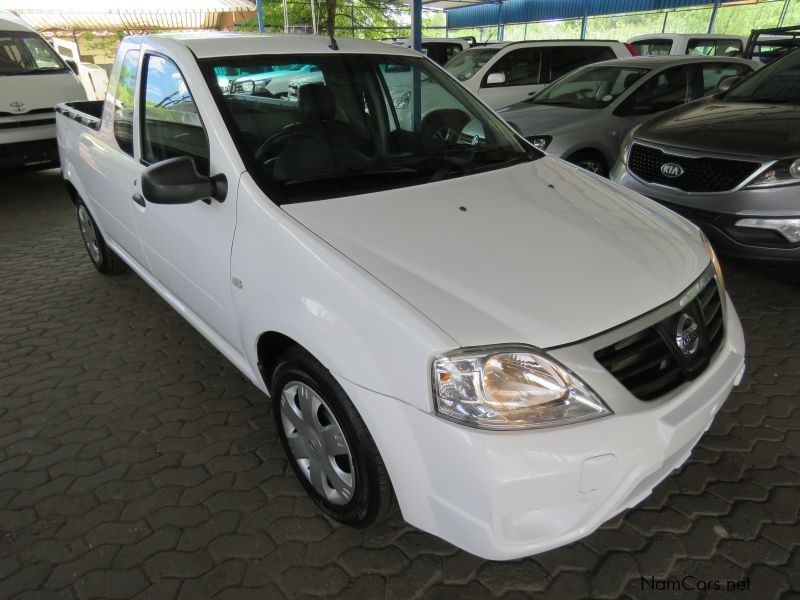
[[138, 15]]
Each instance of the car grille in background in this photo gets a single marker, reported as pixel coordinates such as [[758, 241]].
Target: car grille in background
[[35, 111], [33, 123], [650, 364], [703, 174]]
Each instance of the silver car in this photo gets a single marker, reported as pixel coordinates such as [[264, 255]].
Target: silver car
[[730, 163], [583, 116]]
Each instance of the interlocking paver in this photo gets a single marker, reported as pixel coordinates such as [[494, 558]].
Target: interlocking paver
[[135, 462]]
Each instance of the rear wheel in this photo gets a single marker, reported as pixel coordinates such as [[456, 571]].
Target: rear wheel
[[102, 257], [591, 161], [328, 445]]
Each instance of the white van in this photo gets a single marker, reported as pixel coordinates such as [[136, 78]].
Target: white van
[[34, 78]]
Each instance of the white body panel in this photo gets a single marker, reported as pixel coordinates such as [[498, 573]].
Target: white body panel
[[370, 286], [680, 41]]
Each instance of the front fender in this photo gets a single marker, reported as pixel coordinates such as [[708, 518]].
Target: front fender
[[294, 283]]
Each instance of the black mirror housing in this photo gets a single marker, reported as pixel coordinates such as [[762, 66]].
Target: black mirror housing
[[176, 181]]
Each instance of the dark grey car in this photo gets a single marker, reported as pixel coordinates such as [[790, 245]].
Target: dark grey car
[[583, 116], [730, 163]]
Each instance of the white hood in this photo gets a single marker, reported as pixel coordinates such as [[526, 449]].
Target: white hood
[[544, 254], [43, 90]]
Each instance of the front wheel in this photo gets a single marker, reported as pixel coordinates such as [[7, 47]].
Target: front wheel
[[102, 257], [327, 443]]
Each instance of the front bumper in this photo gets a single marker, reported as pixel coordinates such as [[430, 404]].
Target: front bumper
[[37, 154], [717, 215], [506, 495]]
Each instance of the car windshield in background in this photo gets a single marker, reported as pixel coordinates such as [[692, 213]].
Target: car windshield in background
[[778, 82], [592, 87], [465, 65], [23, 53], [357, 123]]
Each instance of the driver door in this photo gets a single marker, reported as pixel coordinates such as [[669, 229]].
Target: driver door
[[188, 246]]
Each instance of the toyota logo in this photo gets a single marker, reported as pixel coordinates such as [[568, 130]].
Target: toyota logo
[[687, 337], [17, 107], [671, 170]]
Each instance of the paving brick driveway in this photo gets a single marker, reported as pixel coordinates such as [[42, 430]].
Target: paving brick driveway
[[136, 462]]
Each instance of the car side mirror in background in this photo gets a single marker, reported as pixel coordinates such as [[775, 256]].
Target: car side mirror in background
[[176, 181], [728, 83], [496, 79], [72, 65]]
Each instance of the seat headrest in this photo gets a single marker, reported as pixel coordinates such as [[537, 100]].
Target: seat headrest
[[316, 102]]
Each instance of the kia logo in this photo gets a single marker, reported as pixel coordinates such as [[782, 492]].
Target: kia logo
[[671, 170], [17, 107]]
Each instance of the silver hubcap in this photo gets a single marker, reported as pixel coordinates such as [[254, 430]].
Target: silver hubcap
[[317, 442], [89, 234]]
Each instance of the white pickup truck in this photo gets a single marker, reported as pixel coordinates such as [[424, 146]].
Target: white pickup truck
[[510, 349]]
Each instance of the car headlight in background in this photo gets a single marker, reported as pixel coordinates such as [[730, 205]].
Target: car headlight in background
[[510, 388], [540, 142], [717, 269], [401, 98], [783, 172], [627, 142]]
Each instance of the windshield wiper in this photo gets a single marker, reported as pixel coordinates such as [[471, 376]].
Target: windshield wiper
[[351, 173]]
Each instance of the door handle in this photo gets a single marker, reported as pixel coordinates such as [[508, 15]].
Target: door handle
[[139, 199]]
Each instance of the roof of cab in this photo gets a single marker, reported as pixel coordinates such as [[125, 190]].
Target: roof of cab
[[11, 22], [654, 62], [218, 44]]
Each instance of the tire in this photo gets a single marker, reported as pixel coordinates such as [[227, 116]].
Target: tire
[[102, 257], [328, 445], [591, 161]]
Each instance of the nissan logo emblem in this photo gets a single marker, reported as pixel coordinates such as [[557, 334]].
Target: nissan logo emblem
[[671, 170], [687, 336]]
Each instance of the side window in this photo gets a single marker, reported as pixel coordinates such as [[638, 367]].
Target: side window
[[171, 124], [712, 47], [521, 67], [668, 89], [124, 99], [713, 74], [565, 59]]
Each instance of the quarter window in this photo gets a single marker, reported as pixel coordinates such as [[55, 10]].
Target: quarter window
[[172, 125], [124, 102], [653, 47]]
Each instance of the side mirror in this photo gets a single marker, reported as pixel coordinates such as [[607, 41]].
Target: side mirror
[[496, 79], [176, 181], [728, 83], [72, 65]]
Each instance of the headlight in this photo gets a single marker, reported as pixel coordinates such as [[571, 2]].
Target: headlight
[[715, 262], [627, 142], [540, 142], [401, 98], [783, 172], [510, 388]]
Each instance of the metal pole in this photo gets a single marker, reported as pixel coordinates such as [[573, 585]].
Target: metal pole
[[416, 25], [783, 13], [285, 17], [713, 16], [314, 16], [500, 29], [664, 25], [585, 20], [525, 33], [260, 15]]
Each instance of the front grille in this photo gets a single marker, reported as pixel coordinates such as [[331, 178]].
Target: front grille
[[703, 174], [35, 111], [650, 363], [34, 123]]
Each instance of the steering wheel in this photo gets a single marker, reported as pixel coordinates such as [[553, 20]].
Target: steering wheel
[[271, 147], [445, 124]]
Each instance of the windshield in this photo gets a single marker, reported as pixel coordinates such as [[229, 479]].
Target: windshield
[[23, 53], [777, 82], [465, 65], [359, 123], [592, 87]]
